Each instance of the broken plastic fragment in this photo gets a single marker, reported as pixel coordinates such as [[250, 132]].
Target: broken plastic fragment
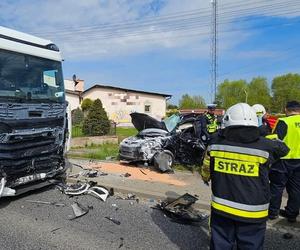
[[47, 203], [79, 210], [99, 192], [181, 209], [113, 220]]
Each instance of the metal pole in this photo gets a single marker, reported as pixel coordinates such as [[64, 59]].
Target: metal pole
[[214, 56]]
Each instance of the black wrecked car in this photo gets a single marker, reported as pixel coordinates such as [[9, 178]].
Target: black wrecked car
[[179, 138]]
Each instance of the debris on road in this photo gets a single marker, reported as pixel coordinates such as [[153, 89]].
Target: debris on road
[[287, 236], [47, 203], [122, 242], [86, 188], [143, 172], [125, 175], [181, 209], [54, 230], [113, 220], [79, 210]]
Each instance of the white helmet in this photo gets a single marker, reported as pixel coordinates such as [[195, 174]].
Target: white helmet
[[240, 114], [259, 109]]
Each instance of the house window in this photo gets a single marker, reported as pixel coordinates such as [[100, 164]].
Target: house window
[[147, 108]]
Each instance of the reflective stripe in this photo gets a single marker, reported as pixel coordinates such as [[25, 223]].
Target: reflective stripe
[[250, 208], [238, 156], [242, 150], [243, 168], [272, 137], [240, 213]]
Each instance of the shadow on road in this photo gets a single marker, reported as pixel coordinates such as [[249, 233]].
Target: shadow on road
[[5, 201]]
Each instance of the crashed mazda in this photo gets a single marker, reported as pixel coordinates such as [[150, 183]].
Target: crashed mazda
[[179, 138]]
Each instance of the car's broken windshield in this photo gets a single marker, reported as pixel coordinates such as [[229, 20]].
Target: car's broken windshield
[[171, 122], [25, 78]]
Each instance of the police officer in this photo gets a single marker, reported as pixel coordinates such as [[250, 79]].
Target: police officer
[[237, 163], [286, 173], [211, 119]]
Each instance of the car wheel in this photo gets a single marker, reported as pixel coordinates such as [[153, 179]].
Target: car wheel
[[164, 161]]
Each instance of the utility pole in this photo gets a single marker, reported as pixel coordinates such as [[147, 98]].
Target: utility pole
[[214, 48]]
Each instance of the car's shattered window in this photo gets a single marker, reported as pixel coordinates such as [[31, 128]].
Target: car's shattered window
[[171, 122]]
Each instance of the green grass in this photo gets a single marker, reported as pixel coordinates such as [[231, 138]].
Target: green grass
[[99, 152], [121, 132], [77, 131], [126, 131], [191, 168]]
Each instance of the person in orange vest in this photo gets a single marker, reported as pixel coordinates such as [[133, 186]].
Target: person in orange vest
[[286, 172]]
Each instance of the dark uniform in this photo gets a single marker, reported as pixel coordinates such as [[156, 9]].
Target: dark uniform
[[237, 163], [286, 172]]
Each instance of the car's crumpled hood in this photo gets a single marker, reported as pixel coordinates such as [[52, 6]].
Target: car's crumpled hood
[[142, 121]]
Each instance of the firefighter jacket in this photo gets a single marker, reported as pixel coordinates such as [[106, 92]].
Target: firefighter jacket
[[237, 162], [211, 121], [288, 130]]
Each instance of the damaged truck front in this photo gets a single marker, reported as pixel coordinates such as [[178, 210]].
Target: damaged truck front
[[33, 121]]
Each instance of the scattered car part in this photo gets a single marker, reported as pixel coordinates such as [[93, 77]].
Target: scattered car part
[[181, 209], [87, 188], [99, 192], [164, 161], [47, 203], [113, 220], [122, 242], [143, 172], [54, 230], [79, 210], [288, 236]]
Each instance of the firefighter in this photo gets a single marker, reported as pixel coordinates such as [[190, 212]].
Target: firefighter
[[263, 124], [286, 172], [237, 163], [211, 119]]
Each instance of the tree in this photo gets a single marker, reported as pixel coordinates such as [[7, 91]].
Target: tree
[[259, 92], [77, 116], [96, 122], [231, 92], [191, 102], [171, 106], [285, 88], [86, 104]]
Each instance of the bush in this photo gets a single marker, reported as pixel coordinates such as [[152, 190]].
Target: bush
[[77, 116], [86, 104], [96, 122]]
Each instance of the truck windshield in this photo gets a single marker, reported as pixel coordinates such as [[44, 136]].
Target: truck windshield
[[25, 78]]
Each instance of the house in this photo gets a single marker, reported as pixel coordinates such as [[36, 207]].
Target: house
[[73, 93], [120, 102]]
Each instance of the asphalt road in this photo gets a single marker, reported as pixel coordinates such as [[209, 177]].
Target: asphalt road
[[25, 225]]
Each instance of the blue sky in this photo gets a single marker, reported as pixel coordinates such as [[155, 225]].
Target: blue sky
[[163, 45]]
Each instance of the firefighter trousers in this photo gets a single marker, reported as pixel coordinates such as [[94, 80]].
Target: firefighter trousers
[[227, 233]]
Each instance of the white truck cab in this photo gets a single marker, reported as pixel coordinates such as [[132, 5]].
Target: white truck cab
[[33, 119]]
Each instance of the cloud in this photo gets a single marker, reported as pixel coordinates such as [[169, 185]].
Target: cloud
[[90, 29]]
